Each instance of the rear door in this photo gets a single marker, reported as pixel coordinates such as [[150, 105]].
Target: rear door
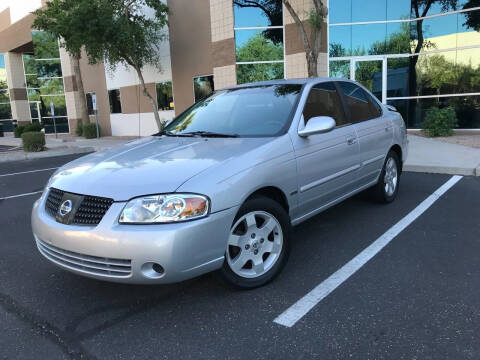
[[375, 133], [327, 163]]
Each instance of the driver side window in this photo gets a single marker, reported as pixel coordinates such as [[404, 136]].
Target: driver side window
[[324, 100]]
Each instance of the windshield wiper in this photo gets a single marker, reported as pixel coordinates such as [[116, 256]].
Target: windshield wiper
[[209, 134], [169, 133]]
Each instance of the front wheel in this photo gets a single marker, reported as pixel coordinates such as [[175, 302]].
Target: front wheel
[[258, 243], [388, 183]]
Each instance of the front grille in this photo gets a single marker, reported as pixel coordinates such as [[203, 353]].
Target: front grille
[[86, 263], [90, 212], [53, 201]]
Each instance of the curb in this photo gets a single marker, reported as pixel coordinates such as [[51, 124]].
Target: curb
[[44, 154], [443, 170]]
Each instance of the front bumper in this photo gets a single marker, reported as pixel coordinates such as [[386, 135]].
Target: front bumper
[[126, 253]]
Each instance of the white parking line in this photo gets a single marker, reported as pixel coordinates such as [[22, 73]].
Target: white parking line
[[295, 312], [28, 172], [21, 195]]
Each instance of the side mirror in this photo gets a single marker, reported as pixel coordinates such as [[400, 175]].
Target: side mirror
[[317, 125], [391, 108]]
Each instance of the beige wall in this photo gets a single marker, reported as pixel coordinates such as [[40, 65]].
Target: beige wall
[[93, 77], [16, 87], [190, 47]]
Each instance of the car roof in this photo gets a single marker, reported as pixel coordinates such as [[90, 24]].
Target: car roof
[[299, 81]]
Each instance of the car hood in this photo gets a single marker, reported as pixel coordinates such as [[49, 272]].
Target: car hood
[[147, 166]]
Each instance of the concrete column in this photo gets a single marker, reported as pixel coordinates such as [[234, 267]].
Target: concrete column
[[17, 88], [72, 96], [223, 43]]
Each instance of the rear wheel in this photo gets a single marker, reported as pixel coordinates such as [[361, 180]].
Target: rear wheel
[[388, 183], [258, 243]]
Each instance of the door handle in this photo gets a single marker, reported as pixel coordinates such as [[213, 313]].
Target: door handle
[[350, 140]]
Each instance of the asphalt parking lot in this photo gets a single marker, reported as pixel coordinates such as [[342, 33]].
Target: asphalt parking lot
[[417, 298]]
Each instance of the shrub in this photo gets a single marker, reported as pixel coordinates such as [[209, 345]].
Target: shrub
[[79, 129], [90, 130], [33, 141], [439, 122], [18, 131], [33, 127]]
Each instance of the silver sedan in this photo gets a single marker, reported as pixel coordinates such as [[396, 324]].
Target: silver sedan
[[221, 186]]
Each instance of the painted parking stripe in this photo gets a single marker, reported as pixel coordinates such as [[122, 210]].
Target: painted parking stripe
[[28, 172], [298, 310], [21, 195]]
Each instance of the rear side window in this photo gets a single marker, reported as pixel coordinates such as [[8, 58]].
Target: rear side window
[[323, 100], [375, 108], [357, 102]]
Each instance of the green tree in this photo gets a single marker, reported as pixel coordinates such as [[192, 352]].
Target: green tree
[[117, 31]]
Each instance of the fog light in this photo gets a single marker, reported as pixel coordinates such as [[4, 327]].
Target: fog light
[[152, 270]]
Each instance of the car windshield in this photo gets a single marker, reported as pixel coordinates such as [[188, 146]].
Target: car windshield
[[250, 111]]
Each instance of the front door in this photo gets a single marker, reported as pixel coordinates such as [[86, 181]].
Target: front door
[[326, 163]]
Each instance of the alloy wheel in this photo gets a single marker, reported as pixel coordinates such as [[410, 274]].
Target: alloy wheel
[[391, 176], [254, 244]]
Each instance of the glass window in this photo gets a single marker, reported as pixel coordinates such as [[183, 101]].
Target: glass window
[[34, 109], [437, 7], [397, 40], [367, 38], [371, 10], [247, 73], [340, 68], [89, 100], [251, 111], [439, 33], [340, 38], [165, 96], [397, 77], [257, 13], [5, 111], [46, 86], [467, 69], [398, 9], [467, 109], [356, 102], [60, 122], [435, 73], [4, 95], [114, 99], [60, 108], [323, 100], [202, 87], [340, 11], [258, 45]]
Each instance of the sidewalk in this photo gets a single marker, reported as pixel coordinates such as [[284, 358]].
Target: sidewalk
[[63, 145], [435, 156]]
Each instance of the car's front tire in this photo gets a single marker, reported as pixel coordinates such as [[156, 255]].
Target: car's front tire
[[386, 189], [258, 244]]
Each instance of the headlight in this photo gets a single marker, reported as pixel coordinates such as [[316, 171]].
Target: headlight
[[164, 208]]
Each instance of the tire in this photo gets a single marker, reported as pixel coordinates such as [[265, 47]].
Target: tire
[[248, 262], [389, 177]]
